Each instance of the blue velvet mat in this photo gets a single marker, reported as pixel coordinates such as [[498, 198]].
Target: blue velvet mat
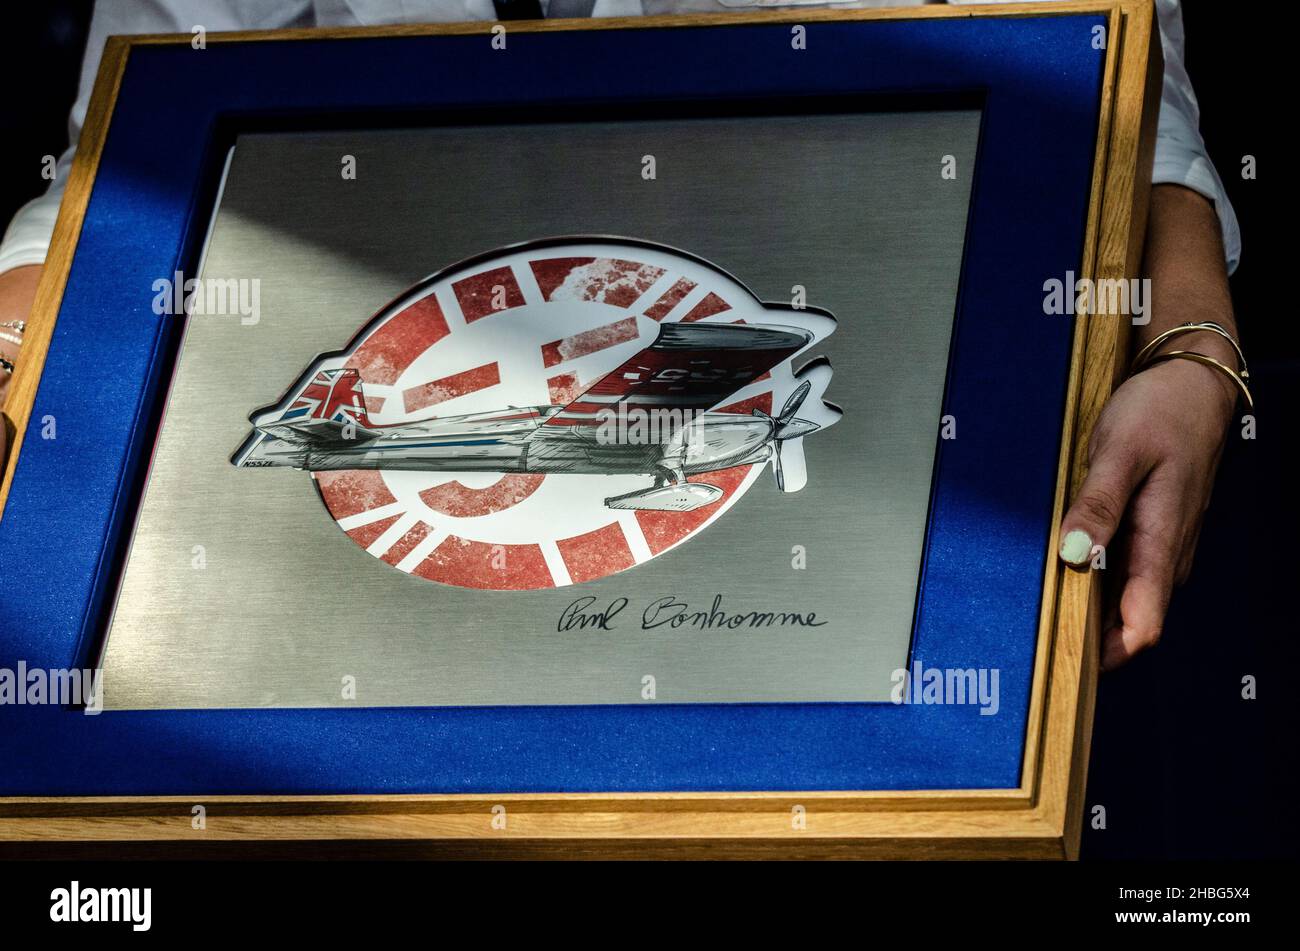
[[73, 497]]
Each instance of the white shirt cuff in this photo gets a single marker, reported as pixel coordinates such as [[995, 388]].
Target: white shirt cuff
[[27, 239]]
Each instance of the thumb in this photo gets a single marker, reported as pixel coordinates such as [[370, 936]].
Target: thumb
[[1095, 515]]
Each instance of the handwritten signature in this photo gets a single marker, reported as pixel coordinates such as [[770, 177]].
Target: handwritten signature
[[669, 612]]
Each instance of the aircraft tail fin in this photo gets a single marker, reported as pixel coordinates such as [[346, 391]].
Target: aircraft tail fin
[[328, 407], [330, 394]]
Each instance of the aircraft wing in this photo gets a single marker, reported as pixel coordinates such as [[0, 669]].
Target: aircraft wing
[[692, 366]]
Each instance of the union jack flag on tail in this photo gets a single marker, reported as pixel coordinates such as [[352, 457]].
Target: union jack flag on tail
[[329, 409], [332, 394]]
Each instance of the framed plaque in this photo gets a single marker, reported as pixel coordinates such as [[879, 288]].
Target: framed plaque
[[634, 436]]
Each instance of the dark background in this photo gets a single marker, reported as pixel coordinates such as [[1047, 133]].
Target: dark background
[[1183, 766]]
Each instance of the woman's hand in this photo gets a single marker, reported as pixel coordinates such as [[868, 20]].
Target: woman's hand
[[1154, 451], [1151, 465]]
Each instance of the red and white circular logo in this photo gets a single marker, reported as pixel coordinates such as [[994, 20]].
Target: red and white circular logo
[[552, 413]]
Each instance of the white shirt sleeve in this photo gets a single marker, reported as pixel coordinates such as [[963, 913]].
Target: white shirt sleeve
[[28, 237], [1181, 158]]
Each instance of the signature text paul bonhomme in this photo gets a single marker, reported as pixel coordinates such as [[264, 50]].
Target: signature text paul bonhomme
[[586, 614]]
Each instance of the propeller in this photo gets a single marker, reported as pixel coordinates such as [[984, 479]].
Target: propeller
[[786, 428], [794, 402], [788, 465]]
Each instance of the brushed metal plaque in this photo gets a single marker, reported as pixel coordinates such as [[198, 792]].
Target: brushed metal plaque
[[241, 591]]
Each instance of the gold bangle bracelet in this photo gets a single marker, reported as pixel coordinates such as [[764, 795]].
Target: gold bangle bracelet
[[1143, 357], [1206, 361]]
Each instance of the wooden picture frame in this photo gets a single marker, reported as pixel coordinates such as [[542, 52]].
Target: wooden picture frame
[[1039, 819]]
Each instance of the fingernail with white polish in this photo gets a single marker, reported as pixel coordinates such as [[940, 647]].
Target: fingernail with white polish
[[1076, 546]]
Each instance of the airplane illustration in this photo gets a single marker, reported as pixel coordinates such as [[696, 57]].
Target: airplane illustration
[[652, 415]]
